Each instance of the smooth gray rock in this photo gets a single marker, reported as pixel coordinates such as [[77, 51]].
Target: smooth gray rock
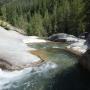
[[14, 54], [62, 37], [78, 48]]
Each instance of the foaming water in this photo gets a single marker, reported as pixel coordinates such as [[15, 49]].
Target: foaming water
[[8, 79]]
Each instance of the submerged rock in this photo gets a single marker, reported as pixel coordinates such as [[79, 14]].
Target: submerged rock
[[14, 53], [62, 37]]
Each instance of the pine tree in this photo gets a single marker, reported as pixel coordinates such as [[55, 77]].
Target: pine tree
[[47, 23], [46, 17], [87, 12], [36, 25]]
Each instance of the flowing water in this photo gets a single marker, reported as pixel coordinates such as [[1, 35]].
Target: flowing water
[[60, 71]]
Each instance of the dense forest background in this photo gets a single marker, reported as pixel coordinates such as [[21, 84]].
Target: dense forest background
[[46, 17]]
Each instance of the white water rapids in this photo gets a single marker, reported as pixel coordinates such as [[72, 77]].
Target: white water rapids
[[7, 79]]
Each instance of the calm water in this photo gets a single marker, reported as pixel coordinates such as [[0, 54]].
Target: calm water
[[60, 72]]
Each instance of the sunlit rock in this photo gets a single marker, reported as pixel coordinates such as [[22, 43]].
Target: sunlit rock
[[78, 48], [34, 40], [14, 54], [10, 27]]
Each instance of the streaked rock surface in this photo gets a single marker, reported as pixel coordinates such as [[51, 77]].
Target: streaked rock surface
[[14, 53]]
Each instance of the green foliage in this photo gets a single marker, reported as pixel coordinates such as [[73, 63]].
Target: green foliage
[[45, 17], [87, 13], [36, 25], [47, 23]]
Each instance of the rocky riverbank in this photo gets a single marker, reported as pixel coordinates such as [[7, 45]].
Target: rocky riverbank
[[76, 45], [80, 47], [16, 54]]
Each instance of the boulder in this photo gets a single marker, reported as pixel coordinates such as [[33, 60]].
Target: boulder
[[14, 53], [62, 37], [82, 49], [78, 48]]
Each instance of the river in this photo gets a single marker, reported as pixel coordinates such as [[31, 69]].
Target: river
[[60, 71]]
